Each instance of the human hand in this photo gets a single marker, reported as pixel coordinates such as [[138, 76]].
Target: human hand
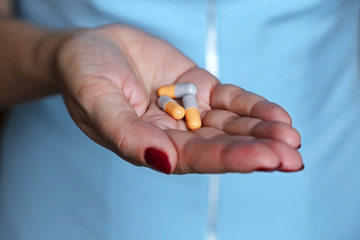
[[109, 77]]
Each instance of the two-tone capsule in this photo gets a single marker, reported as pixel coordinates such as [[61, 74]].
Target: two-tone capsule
[[171, 107], [177, 90], [192, 116], [187, 92]]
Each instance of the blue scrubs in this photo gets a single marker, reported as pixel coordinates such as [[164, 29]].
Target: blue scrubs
[[57, 184]]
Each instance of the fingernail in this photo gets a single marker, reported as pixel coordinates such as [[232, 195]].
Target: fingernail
[[265, 170], [299, 146], [262, 169], [300, 169], [158, 160]]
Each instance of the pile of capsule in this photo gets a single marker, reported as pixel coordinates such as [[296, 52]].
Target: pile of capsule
[[187, 92]]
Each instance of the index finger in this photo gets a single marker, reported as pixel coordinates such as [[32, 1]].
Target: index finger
[[235, 99]]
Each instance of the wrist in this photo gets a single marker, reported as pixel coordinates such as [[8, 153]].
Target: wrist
[[27, 61], [43, 65]]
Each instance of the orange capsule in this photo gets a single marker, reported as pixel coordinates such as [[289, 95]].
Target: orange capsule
[[192, 115], [171, 107]]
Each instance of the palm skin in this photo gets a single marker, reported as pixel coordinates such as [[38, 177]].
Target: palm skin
[[109, 77]]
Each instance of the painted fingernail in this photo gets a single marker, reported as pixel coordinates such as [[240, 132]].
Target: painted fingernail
[[300, 169], [299, 146], [158, 160], [262, 169], [265, 170]]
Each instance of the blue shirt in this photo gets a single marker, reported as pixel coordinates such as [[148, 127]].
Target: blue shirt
[[57, 184]]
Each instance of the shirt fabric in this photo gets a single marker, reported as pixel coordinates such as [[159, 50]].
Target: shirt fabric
[[55, 183]]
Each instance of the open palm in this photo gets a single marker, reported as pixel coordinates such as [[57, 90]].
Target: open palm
[[109, 78]]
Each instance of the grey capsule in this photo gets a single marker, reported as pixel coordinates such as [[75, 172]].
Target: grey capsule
[[189, 101], [182, 89]]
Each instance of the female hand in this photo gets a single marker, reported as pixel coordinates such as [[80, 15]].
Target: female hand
[[109, 77]]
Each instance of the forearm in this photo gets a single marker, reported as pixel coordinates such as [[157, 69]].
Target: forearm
[[27, 62], [6, 8]]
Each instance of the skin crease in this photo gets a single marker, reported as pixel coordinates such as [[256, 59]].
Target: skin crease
[[109, 76]]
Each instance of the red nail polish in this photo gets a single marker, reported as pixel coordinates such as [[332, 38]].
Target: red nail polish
[[300, 169], [299, 146], [158, 160], [265, 170], [262, 169]]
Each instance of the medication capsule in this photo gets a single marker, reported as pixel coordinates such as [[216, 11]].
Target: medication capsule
[[192, 116], [171, 107], [178, 90]]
